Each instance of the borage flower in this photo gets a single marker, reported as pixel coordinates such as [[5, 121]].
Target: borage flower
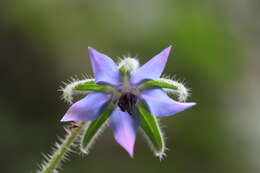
[[129, 97]]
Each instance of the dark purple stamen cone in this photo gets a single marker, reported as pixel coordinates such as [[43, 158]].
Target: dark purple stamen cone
[[127, 102]]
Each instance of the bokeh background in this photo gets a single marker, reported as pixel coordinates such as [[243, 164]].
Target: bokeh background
[[216, 52]]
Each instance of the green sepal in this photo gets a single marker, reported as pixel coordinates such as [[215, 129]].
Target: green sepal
[[91, 86], [149, 84], [151, 130], [95, 127]]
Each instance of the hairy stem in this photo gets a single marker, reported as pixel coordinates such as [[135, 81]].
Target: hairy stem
[[54, 160]]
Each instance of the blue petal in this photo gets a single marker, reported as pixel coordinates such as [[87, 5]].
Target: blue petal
[[160, 104], [124, 127], [104, 68], [152, 69], [88, 108]]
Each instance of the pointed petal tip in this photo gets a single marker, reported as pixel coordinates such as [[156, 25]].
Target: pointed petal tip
[[131, 154], [93, 52], [90, 48], [129, 149], [65, 118], [127, 145], [68, 117], [186, 105], [169, 47], [190, 104], [167, 51]]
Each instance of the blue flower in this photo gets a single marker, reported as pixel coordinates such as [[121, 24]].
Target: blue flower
[[133, 91]]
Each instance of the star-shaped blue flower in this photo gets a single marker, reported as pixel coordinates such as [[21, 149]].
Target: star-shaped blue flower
[[125, 87]]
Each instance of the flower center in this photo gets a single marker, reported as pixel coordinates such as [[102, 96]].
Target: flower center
[[127, 102]]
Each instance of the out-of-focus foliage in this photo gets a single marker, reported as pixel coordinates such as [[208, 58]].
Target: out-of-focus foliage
[[44, 42]]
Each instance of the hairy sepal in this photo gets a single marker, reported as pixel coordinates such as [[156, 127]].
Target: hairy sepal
[[149, 84], [151, 130], [94, 128], [82, 87], [90, 86], [170, 86]]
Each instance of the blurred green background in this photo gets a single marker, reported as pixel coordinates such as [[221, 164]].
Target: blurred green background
[[215, 51]]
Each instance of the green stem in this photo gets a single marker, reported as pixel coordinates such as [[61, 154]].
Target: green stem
[[59, 155]]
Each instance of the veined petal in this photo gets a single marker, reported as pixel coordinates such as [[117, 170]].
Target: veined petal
[[88, 108], [104, 68], [124, 127], [161, 105], [152, 69]]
